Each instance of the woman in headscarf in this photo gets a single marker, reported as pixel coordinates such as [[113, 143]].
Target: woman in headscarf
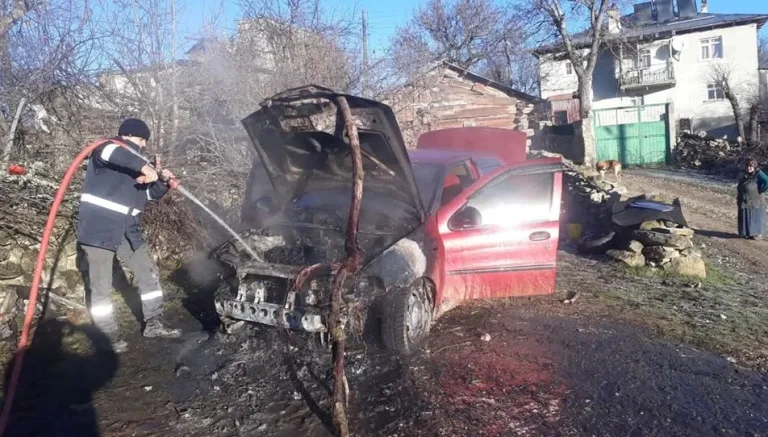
[[751, 201]]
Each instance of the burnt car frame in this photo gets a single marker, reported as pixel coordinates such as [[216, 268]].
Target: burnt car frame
[[464, 216]]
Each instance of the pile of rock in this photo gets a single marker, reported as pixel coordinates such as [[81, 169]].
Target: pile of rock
[[656, 244], [18, 255]]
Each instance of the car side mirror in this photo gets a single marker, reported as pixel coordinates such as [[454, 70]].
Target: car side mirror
[[468, 217]]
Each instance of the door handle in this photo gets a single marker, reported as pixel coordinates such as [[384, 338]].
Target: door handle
[[539, 236]]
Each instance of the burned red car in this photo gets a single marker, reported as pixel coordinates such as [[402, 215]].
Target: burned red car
[[464, 216]]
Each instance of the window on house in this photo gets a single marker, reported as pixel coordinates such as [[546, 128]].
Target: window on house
[[715, 92], [712, 48], [568, 68], [560, 118], [644, 58]]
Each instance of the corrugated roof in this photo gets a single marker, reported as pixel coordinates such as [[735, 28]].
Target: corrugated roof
[[655, 30]]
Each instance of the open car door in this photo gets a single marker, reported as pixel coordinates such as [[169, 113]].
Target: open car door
[[500, 235]]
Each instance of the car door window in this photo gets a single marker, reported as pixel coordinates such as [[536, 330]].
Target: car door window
[[456, 180], [487, 165], [515, 199]]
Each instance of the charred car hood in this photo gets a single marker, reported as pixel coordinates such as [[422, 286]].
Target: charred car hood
[[300, 138]]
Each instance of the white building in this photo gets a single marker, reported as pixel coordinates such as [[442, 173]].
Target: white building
[[665, 52], [764, 83]]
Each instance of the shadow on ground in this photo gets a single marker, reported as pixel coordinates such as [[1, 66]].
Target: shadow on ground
[[60, 374], [716, 234]]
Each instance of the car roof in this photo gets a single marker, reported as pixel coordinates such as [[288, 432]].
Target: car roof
[[445, 157]]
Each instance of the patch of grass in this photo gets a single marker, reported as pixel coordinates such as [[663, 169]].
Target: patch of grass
[[715, 276], [722, 315]]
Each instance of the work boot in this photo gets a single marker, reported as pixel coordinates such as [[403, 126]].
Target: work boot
[[156, 328]]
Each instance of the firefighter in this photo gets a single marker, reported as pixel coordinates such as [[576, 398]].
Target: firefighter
[[117, 186]]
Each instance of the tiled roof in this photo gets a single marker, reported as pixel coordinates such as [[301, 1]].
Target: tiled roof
[[654, 30]]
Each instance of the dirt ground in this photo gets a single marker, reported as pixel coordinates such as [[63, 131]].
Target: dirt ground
[[636, 354]]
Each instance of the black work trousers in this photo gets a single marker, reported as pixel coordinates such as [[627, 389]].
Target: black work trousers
[[99, 264]]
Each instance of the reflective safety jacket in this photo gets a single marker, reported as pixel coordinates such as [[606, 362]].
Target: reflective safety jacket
[[112, 200]]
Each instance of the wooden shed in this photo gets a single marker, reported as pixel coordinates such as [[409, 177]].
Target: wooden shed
[[448, 96]]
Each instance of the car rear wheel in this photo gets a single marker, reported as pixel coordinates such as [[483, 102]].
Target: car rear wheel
[[407, 318]]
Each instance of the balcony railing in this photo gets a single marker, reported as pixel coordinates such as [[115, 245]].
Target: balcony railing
[[653, 76]]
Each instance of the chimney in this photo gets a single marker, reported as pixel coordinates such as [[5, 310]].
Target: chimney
[[665, 10], [644, 12], [686, 8], [704, 6], [614, 19]]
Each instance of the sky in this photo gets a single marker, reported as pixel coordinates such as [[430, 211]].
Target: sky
[[385, 15]]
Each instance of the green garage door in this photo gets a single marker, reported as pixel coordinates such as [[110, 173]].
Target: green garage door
[[633, 136]]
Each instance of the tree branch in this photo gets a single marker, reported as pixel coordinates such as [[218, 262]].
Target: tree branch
[[12, 130], [18, 10]]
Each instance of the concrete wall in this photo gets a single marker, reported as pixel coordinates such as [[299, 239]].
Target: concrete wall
[[692, 75], [764, 84], [554, 78]]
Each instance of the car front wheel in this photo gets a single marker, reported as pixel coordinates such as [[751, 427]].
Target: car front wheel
[[407, 318]]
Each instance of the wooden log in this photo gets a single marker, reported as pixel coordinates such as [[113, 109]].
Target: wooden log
[[349, 267]]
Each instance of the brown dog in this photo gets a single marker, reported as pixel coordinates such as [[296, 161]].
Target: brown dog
[[612, 164]]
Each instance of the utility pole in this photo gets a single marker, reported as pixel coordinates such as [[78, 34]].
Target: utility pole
[[365, 56]]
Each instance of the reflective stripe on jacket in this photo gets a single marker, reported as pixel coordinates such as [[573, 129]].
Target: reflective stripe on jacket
[[112, 200]]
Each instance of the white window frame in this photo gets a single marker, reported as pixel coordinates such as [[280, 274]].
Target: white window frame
[[568, 68], [709, 44], [713, 87]]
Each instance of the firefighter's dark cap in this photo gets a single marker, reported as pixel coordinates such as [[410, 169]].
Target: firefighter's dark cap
[[133, 127]]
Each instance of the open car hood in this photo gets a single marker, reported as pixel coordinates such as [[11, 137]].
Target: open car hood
[[300, 137]]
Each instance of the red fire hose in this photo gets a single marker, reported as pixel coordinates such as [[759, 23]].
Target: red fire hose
[[13, 381]]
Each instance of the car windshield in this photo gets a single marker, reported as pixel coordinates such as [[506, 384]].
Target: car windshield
[[427, 180]]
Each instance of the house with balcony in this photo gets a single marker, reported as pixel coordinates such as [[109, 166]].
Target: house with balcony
[[662, 63]]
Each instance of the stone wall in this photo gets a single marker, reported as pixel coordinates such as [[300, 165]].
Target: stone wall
[[18, 255]]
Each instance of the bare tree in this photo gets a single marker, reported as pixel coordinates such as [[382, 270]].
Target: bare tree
[[140, 72], [513, 67], [555, 17], [295, 42], [725, 76], [762, 51], [45, 59], [10, 14], [467, 33]]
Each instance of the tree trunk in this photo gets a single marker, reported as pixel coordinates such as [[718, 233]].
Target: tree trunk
[[348, 268], [733, 99], [754, 111], [12, 130], [585, 109]]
